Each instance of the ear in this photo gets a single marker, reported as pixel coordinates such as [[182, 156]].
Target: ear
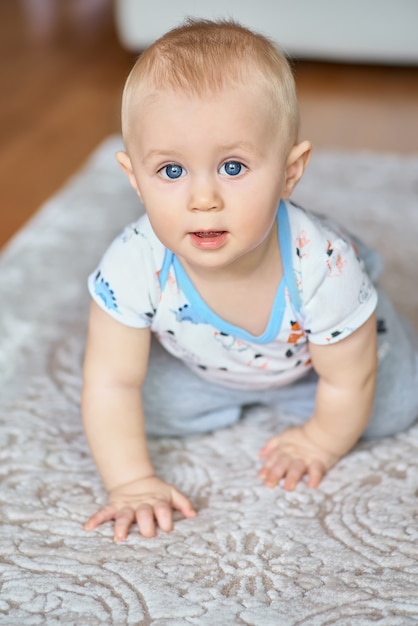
[[296, 163], [126, 166]]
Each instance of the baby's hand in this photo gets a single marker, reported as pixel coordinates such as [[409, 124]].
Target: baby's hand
[[148, 501], [292, 455]]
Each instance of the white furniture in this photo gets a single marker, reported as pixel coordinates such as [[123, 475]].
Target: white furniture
[[376, 31]]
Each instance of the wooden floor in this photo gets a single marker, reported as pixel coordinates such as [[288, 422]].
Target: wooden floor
[[62, 71]]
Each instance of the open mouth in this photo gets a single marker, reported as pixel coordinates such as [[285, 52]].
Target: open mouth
[[209, 234], [209, 239]]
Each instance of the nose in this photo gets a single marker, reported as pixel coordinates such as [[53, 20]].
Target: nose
[[205, 195]]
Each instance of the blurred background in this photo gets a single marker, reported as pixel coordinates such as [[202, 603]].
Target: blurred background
[[63, 64]]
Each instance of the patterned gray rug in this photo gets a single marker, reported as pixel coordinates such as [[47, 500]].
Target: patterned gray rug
[[344, 554]]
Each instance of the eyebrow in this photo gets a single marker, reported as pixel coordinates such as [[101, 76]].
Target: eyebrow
[[225, 148], [240, 145], [158, 154]]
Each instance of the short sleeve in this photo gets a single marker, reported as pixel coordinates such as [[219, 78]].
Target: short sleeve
[[337, 294], [125, 283]]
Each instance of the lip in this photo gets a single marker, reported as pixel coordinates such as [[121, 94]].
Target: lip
[[209, 239]]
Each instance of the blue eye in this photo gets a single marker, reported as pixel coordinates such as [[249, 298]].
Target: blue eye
[[232, 168], [172, 171]]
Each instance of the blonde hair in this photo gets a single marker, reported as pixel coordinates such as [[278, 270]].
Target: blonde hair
[[203, 57]]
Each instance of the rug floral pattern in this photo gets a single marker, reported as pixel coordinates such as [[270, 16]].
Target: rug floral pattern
[[346, 553]]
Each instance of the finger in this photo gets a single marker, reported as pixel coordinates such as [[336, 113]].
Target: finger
[[145, 520], [274, 457], [164, 516], [104, 515], [182, 504], [272, 474], [316, 472], [123, 521], [294, 474]]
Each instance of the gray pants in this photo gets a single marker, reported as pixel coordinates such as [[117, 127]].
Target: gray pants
[[177, 402]]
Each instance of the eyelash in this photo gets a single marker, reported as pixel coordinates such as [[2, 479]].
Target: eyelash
[[164, 174]]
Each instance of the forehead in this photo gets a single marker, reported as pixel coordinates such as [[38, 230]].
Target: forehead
[[235, 107]]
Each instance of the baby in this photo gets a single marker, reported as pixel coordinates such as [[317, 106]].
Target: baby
[[249, 298]]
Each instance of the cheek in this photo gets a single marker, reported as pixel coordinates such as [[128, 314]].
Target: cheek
[[164, 219], [163, 229], [263, 186], [157, 193], [258, 202]]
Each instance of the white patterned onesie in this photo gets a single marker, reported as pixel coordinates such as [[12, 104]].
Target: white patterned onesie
[[324, 296]]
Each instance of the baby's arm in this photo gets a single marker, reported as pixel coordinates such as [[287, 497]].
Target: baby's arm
[[344, 402], [114, 369]]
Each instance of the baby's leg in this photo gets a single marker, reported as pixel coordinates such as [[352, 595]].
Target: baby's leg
[[177, 402], [396, 399]]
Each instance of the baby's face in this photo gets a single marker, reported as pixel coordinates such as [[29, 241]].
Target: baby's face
[[210, 172]]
